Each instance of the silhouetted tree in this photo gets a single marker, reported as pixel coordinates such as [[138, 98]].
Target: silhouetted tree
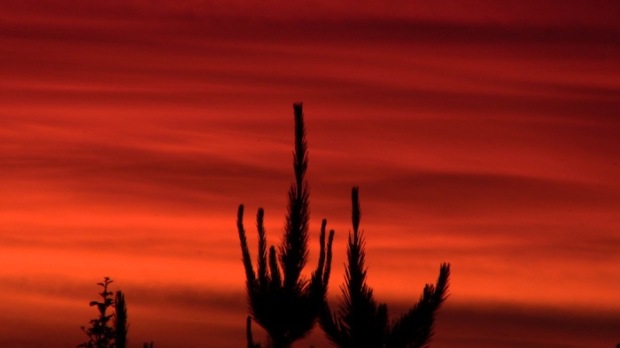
[[283, 302], [100, 334], [120, 320], [361, 321]]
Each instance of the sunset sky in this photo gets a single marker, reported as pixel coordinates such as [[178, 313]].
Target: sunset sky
[[481, 133]]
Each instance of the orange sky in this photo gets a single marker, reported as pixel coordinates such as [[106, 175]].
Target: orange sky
[[481, 133]]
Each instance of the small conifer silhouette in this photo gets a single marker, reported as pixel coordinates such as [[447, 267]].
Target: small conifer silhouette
[[102, 333], [120, 320], [361, 321], [281, 301]]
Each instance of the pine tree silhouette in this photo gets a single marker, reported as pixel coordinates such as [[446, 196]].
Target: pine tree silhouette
[[281, 301], [361, 321]]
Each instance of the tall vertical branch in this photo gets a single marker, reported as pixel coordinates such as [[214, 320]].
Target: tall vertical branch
[[281, 301], [294, 246], [276, 280], [245, 251], [120, 320], [352, 326], [263, 279]]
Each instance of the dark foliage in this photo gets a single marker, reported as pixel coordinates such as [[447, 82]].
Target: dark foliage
[[120, 320], [415, 328], [103, 333], [100, 334], [361, 321], [283, 302]]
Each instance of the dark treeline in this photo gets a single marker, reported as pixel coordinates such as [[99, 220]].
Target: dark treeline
[[286, 304]]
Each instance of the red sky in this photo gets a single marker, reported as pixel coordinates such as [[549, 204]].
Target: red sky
[[481, 133]]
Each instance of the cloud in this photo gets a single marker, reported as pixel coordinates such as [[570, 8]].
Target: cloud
[[493, 325], [450, 194]]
